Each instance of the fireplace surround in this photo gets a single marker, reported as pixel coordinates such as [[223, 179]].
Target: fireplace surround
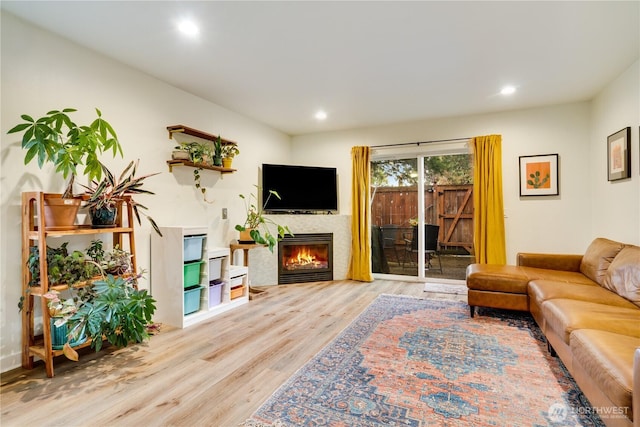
[[305, 258]]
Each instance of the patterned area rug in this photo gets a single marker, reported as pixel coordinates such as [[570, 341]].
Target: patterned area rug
[[413, 362]]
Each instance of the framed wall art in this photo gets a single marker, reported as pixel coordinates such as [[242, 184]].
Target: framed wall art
[[539, 175], [619, 155]]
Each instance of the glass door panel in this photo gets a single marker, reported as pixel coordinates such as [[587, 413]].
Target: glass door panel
[[448, 215], [422, 215], [394, 211]]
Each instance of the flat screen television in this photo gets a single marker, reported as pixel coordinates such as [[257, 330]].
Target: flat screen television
[[303, 189]]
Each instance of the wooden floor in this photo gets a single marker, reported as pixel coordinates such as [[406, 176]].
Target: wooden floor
[[212, 374]]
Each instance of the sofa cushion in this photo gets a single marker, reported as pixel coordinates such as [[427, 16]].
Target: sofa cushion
[[566, 262], [497, 278], [564, 316], [608, 360], [597, 258], [543, 290], [623, 276], [557, 275]]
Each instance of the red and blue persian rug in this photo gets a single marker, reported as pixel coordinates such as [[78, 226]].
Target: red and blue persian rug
[[414, 362]]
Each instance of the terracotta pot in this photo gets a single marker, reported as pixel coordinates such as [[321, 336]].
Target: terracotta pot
[[59, 213], [245, 236]]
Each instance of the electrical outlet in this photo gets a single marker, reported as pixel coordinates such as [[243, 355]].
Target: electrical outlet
[[224, 213]]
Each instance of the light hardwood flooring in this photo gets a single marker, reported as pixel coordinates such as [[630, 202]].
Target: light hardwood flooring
[[216, 373]]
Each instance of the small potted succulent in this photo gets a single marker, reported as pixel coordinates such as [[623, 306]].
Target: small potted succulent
[[256, 225], [55, 138], [105, 196]]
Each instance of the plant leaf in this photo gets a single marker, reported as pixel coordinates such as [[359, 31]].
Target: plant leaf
[[69, 352]]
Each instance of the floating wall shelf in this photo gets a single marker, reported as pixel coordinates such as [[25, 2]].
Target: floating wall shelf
[[197, 133], [186, 130], [220, 169]]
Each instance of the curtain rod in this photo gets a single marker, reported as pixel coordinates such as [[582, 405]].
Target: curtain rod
[[421, 142]]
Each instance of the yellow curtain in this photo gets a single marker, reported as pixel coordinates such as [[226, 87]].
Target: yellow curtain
[[360, 265], [488, 218]]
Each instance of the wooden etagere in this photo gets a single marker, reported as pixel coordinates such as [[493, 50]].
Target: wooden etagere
[[35, 233]]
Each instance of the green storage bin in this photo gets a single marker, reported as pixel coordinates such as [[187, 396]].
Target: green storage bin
[[192, 300], [192, 274]]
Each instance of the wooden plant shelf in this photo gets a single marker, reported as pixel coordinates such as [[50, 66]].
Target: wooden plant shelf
[[78, 230], [39, 350], [35, 233], [197, 133], [220, 169]]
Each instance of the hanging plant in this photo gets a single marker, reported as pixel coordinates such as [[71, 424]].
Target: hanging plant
[[199, 186]]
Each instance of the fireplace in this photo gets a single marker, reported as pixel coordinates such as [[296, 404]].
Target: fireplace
[[305, 258]]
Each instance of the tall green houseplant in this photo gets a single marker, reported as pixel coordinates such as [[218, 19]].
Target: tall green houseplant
[[55, 138]]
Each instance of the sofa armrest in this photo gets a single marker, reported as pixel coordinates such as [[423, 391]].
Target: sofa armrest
[[562, 262]]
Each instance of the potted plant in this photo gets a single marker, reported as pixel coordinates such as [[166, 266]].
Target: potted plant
[[107, 195], [195, 152], [55, 138], [62, 267], [112, 309], [229, 151], [60, 312], [75, 269], [256, 225], [117, 261], [181, 152], [217, 152]]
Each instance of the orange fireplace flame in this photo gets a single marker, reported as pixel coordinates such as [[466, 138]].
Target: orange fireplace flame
[[304, 257]]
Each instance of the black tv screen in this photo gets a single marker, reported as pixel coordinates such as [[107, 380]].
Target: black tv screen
[[302, 189]]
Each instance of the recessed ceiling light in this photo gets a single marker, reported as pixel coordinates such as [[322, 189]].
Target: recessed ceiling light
[[188, 28], [508, 90], [321, 115]]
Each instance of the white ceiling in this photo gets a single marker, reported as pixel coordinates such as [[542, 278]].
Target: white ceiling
[[366, 63]]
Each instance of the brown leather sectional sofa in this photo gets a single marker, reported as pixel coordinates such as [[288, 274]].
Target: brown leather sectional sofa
[[588, 307]]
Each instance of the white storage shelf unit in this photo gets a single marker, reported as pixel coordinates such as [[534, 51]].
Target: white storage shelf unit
[[168, 256]]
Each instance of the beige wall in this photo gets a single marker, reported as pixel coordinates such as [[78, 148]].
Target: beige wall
[[41, 72], [560, 129], [615, 205], [588, 205]]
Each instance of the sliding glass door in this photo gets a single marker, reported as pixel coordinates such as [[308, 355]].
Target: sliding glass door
[[422, 212], [394, 210]]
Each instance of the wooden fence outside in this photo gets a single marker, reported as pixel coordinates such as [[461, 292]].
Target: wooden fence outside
[[449, 206]]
